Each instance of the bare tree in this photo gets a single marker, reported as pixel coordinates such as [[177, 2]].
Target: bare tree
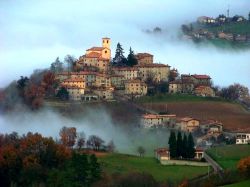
[[141, 150], [68, 136], [95, 142], [81, 140], [111, 146]]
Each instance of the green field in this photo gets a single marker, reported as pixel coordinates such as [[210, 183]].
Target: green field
[[240, 184], [119, 163], [237, 28], [228, 156], [176, 98]]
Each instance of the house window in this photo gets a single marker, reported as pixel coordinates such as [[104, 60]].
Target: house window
[[106, 52]]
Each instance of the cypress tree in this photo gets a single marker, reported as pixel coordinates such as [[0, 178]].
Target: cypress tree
[[119, 59], [131, 59], [184, 146], [191, 149], [172, 145], [179, 144]]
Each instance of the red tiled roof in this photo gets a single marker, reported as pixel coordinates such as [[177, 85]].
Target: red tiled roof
[[95, 49], [152, 65], [93, 55], [201, 76]]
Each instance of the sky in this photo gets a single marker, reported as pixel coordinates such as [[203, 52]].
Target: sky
[[33, 33]]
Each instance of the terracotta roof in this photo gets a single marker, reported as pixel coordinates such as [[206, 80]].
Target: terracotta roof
[[201, 76], [199, 149], [74, 80], [186, 119], [93, 55], [162, 151], [143, 55], [95, 49], [152, 65], [155, 116]]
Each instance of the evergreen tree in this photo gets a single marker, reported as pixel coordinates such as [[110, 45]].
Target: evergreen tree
[[95, 169], [172, 145], [131, 59], [184, 146], [119, 59], [249, 16], [179, 145], [80, 167], [63, 94], [191, 149], [56, 66]]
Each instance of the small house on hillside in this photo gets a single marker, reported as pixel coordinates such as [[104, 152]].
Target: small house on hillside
[[211, 127], [156, 120], [204, 91], [189, 124], [163, 154], [243, 138]]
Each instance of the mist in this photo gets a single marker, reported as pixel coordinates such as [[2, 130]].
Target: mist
[[48, 122], [34, 33]]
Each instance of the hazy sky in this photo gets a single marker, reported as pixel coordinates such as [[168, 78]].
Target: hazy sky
[[33, 33]]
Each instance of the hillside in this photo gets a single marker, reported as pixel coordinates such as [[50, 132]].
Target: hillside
[[233, 116], [122, 164]]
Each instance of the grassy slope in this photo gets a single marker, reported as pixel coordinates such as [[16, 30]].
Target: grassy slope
[[232, 115], [118, 163], [240, 184], [228, 156]]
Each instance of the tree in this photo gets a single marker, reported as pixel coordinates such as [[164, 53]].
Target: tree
[[157, 30], [56, 66], [249, 16], [190, 148], [184, 146], [80, 140], [95, 142], [244, 166], [111, 146], [119, 59], [141, 150], [68, 136], [34, 95], [49, 83], [235, 92], [131, 59], [95, 169], [63, 94], [21, 84], [179, 145], [172, 145], [70, 62]]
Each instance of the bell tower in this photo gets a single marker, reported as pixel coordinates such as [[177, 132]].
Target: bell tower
[[106, 42]]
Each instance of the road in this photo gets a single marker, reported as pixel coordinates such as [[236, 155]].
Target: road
[[217, 168]]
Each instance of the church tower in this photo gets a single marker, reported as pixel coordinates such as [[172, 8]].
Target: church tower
[[106, 43]]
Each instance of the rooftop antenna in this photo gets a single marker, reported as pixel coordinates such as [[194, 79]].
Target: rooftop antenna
[[228, 10]]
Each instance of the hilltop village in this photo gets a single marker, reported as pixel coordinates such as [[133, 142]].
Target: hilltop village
[[98, 79]]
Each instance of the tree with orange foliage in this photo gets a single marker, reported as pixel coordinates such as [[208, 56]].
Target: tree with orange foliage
[[244, 166], [49, 83], [34, 96], [184, 183], [68, 136]]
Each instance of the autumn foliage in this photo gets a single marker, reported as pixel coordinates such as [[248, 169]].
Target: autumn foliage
[[244, 166]]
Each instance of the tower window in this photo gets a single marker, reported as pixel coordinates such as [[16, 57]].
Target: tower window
[[105, 52], [107, 41]]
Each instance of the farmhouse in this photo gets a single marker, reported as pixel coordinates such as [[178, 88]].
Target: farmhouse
[[78, 82], [175, 86], [242, 138], [204, 91], [144, 58], [211, 127], [205, 20], [189, 124], [157, 72], [103, 80], [156, 120], [135, 88], [105, 93], [75, 92], [201, 80], [162, 154], [127, 72], [117, 81]]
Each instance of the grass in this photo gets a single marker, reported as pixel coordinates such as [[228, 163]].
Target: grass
[[237, 28], [228, 156], [177, 98], [240, 184], [119, 163]]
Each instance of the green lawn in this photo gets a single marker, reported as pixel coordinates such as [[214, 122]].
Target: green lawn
[[228, 156], [176, 98], [240, 184], [119, 163]]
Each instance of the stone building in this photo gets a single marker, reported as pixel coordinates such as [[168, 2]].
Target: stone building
[[189, 124], [157, 120], [127, 72], [135, 88], [144, 58], [204, 91]]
